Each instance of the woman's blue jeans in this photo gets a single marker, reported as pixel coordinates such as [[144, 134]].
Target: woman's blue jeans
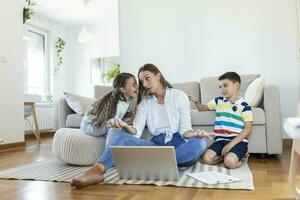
[[187, 152]]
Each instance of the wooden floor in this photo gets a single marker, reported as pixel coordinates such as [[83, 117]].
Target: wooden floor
[[270, 180]]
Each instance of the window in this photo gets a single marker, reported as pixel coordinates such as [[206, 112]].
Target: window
[[36, 66]]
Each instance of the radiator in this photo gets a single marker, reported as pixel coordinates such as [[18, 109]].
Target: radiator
[[46, 117]]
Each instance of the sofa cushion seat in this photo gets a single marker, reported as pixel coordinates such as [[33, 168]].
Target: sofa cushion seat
[[206, 118], [73, 120]]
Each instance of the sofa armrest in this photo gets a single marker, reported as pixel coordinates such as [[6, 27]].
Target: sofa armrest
[[271, 105], [63, 111]]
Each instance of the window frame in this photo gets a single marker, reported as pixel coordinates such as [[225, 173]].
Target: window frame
[[46, 65]]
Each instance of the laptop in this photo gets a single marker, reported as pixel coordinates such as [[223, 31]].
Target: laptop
[[146, 162]]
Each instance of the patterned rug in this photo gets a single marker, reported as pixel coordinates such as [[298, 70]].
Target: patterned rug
[[54, 170]]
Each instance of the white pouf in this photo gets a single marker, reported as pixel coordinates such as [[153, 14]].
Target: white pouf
[[76, 148]]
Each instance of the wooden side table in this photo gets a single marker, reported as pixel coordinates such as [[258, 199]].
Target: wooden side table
[[295, 158], [36, 125]]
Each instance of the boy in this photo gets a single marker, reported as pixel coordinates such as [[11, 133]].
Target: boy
[[233, 123]]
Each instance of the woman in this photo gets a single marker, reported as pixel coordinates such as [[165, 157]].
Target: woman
[[166, 111]]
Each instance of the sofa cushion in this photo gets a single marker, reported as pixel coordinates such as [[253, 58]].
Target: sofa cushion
[[73, 121], [190, 88], [79, 104], [208, 117], [210, 87], [254, 92]]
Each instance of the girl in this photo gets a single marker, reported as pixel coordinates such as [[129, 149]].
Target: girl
[[111, 107]]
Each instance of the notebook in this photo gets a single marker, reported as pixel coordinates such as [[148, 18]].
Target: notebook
[[213, 177]]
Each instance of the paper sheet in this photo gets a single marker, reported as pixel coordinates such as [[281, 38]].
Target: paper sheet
[[213, 177]]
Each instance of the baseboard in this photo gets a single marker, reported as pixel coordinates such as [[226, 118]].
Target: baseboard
[[31, 135], [12, 145]]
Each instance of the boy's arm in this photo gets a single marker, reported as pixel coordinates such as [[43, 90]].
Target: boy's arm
[[200, 106], [246, 131]]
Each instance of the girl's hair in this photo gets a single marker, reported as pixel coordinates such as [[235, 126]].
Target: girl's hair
[[105, 107], [143, 93]]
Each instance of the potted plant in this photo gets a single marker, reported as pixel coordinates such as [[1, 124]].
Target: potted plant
[[59, 46], [113, 72], [28, 13]]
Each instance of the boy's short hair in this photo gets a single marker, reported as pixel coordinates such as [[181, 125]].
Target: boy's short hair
[[232, 76]]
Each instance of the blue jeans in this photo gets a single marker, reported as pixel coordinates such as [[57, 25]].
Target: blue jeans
[[86, 128], [187, 152]]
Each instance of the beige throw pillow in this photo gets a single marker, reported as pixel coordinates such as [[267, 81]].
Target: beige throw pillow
[[79, 104], [254, 92]]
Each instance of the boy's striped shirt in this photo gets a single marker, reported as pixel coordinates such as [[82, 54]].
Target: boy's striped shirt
[[230, 117]]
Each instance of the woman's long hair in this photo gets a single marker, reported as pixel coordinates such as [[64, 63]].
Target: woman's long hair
[[105, 107], [143, 93]]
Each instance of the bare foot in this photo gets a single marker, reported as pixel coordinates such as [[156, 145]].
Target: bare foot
[[94, 175]]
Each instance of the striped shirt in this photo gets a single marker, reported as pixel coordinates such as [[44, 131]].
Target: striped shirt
[[230, 117]]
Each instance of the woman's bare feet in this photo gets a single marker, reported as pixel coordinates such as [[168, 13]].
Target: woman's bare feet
[[94, 175]]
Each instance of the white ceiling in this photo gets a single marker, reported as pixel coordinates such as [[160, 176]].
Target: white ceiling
[[74, 12]]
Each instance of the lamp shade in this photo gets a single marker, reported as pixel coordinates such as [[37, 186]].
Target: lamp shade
[[85, 36]]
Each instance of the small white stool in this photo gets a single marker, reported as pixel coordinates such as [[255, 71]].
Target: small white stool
[[76, 148]]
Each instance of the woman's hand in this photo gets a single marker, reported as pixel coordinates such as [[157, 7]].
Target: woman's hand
[[202, 133], [118, 123], [198, 133], [109, 123], [115, 123]]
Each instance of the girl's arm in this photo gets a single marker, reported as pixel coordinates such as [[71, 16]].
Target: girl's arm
[[118, 123]]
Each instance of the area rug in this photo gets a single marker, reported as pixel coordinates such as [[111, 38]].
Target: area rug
[[57, 171]]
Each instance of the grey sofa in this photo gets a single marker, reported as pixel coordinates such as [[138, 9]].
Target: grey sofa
[[266, 136]]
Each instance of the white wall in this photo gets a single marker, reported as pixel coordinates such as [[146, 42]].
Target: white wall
[[192, 39], [104, 44], [80, 72], [11, 72]]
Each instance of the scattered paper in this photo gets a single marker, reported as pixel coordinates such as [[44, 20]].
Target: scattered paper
[[213, 177]]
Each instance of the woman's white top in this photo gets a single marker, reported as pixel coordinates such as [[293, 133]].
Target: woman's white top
[[178, 111], [163, 119]]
